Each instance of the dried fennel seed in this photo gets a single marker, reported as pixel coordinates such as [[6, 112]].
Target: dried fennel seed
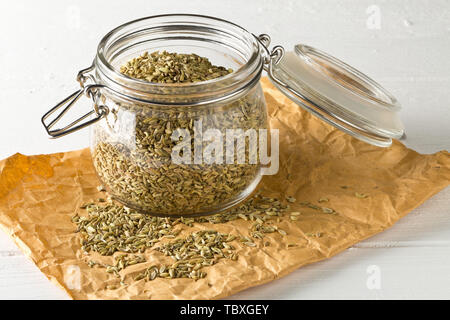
[[140, 172], [191, 255], [165, 67], [112, 287], [294, 215], [361, 195], [327, 210], [291, 199], [322, 209], [121, 262], [314, 235]]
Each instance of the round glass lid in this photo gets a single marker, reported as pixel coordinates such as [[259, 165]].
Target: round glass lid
[[339, 94]]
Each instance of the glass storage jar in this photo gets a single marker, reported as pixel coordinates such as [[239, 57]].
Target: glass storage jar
[[139, 126]]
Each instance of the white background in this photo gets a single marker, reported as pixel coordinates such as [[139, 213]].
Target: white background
[[403, 44]]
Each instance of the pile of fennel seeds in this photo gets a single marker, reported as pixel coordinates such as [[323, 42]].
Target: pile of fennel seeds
[[171, 67], [107, 227], [110, 229]]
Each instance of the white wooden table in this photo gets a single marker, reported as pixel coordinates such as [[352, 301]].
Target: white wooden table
[[404, 44]]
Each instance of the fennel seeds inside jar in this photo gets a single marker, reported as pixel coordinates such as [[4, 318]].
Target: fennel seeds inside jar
[[132, 150]]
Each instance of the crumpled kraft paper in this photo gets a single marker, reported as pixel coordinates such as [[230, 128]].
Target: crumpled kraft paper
[[40, 194]]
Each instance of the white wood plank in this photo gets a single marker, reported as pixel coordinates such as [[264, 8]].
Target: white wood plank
[[7, 246], [21, 279]]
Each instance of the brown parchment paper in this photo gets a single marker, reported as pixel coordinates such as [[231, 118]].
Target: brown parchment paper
[[40, 194]]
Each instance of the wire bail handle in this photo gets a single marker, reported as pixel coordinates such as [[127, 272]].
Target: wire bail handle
[[271, 57], [91, 91]]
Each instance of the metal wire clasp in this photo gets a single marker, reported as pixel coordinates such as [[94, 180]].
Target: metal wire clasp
[[272, 57], [100, 111]]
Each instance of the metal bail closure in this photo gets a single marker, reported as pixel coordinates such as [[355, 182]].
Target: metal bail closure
[[336, 93], [100, 111]]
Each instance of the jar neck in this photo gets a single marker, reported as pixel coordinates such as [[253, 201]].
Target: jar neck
[[211, 37]]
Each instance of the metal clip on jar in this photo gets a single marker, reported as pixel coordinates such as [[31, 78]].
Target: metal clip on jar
[[134, 120]]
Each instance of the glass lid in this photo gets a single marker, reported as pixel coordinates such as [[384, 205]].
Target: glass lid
[[339, 95]]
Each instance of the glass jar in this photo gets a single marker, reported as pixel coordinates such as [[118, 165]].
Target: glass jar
[[149, 139]]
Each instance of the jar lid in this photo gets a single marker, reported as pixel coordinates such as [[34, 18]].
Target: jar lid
[[338, 94]]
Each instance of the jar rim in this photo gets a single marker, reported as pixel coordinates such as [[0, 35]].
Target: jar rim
[[218, 88]]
